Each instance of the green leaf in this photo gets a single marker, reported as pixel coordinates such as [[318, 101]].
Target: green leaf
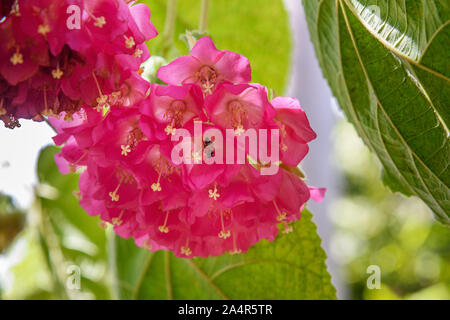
[[61, 202], [68, 230], [387, 63], [246, 27], [292, 267]]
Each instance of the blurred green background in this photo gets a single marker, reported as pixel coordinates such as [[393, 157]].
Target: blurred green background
[[375, 227]]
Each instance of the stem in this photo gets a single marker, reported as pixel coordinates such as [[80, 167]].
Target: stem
[[52, 251], [112, 260], [204, 17], [169, 26], [191, 40]]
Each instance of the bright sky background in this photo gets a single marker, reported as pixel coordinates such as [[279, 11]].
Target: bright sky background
[[19, 149]]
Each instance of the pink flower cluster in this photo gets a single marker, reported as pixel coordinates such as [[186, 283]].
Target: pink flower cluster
[[195, 209], [60, 55]]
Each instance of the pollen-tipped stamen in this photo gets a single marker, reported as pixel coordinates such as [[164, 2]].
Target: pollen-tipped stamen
[[163, 228], [129, 42], [118, 220], [114, 195], [214, 194], [235, 250], [102, 100], [17, 57], [281, 215], [223, 234]]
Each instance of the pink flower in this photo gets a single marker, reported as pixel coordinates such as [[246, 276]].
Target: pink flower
[[239, 107], [295, 130], [207, 67], [171, 107], [200, 208], [47, 69]]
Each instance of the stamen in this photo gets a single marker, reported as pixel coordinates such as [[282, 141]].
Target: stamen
[[44, 29], [163, 168], [118, 221], [207, 76], [57, 73], [125, 150], [223, 234], [175, 116], [170, 130], [239, 130], [186, 251], [282, 127], [129, 42], [164, 228], [156, 187], [213, 194], [134, 137], [17, 57], [281, 215], [114, 196], [100, 22], [235, 249], [207, 87], [138, 54], [102, 100], [238, 114], [46, 112]]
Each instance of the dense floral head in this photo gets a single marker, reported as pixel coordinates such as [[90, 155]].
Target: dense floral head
[[218, 198], [56, 56]]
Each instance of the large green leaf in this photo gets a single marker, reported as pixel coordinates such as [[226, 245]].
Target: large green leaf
[[293, 267], [246, 27], [387, 62]]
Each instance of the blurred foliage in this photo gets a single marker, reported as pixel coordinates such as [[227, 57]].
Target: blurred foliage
[[376, 227], [60, 239], [12, 221], [246, 27]]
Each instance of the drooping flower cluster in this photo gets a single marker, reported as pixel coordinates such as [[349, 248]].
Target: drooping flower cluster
[[60, 55], [208, 205]]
